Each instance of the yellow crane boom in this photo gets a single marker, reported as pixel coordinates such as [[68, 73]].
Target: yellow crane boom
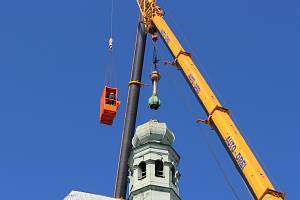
[[218, 117]]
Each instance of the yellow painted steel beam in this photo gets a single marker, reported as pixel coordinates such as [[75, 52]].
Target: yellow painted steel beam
[[241, 154], [218, 117]]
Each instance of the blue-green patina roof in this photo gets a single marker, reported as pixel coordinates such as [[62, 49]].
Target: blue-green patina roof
[[153, 132]]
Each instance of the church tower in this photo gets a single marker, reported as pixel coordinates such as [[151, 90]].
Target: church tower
[[153, 164]]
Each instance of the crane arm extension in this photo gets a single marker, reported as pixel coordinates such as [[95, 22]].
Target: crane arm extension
[[218, 117]]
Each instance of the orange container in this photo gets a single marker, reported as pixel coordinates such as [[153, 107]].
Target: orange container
[[109, 105]]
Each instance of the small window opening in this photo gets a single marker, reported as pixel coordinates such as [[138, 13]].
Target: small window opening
[[173, 174], [142, 170], [159, 168]]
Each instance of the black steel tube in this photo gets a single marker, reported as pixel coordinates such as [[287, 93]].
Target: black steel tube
[[131, 113]]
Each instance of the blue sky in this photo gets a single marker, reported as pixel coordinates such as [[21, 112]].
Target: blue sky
[[52, 60]]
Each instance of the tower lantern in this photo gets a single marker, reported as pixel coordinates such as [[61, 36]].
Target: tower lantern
[[153, 164]]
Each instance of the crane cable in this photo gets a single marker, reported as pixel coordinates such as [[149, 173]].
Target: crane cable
[[222, 98], [111, 18], [110, 77], [154, 56], [206, 141], [192, 111]]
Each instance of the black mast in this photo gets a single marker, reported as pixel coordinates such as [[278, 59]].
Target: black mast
[[131, 112]]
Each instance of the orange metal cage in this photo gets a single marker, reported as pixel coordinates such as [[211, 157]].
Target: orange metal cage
[[109, 105]]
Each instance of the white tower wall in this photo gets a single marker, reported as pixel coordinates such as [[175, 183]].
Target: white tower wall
[[152, 144]]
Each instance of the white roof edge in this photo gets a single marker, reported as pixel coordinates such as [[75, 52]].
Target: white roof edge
[[77, 195]]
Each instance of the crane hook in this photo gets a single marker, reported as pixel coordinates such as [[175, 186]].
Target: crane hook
[[110, 44]]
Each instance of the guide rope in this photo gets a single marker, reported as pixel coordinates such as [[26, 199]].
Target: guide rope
[[208, 144]]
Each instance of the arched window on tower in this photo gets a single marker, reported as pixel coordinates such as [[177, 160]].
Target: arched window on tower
[[142, 170], [173, 171], [159, 168]]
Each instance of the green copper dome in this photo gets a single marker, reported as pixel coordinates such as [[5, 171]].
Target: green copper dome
[[154, 102], [153, 132]]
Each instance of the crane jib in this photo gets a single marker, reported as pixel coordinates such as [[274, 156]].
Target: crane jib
[[218, 117]]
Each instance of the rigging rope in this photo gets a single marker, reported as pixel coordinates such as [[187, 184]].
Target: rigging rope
[[222, 98], [110, 77], [205, 139], [110, 41], [192, 111], [154, 58], [111, 18]]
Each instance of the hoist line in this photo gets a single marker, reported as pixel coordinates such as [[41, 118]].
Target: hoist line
[[205, 139], [110, 75], [154, 56], [216, 159], [111, 18], [155, 59], [223, 99]]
